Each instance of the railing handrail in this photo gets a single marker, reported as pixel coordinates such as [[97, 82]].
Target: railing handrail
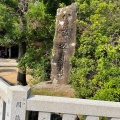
[[73, 106], [18, 100]]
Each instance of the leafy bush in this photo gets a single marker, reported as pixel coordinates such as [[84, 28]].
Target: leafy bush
[[37, 62], [96, 65]]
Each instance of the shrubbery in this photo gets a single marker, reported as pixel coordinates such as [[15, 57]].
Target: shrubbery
[[96, 65], [37, 62]]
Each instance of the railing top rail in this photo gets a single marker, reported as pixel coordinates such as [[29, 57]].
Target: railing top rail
[[3, 89], [59, 104], [73, 106]]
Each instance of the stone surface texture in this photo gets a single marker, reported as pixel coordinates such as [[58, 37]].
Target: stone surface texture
[[64, 43], [91, 118], [44, 116], [69, 117]]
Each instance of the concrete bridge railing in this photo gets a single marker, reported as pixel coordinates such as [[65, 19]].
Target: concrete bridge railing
[[16, 102]]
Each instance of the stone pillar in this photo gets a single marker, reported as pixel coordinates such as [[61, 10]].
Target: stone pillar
[[64, 43], [16, 103]]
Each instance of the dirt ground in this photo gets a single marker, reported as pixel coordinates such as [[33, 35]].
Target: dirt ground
[[10, 74]]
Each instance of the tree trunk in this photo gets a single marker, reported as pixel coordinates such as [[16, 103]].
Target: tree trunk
[[21, 76]]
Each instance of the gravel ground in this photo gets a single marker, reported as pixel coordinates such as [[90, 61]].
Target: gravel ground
[[10, 74]]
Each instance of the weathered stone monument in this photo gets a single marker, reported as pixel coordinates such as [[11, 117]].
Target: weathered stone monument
[[64, 43]]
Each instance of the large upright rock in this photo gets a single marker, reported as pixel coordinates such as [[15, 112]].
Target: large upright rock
[[64, 43]]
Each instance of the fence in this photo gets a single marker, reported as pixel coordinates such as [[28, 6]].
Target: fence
[[16, 102]]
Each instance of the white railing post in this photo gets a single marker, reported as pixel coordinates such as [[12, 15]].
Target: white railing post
[[2, 109], [91, 118], [44, 116], [16, 103], [68, 117]]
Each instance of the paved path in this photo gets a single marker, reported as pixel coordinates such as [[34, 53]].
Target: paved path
[[8, 62]]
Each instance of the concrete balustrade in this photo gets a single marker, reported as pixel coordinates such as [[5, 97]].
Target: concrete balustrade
[[91, 118], [68, 117], [3, 89], [44, 116], [16, 101], [73, 106]]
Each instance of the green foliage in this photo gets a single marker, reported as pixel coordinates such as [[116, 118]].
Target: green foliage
[[37, 61], [40, 24], [110, 91], [96, 67], [9, 25], [2, 11], [80, 78], [36, 10]]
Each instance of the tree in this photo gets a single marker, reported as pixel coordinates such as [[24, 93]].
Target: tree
[[8, 29], [37, 25], [22, 8]]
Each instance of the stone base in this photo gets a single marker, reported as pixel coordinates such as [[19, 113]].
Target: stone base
[[55, 89]]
